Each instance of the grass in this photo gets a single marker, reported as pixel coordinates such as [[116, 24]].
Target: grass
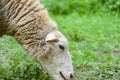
[[94, 42]]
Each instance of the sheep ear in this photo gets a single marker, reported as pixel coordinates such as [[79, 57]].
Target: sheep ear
[[51, 38]]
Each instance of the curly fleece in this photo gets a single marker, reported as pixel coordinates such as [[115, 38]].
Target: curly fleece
[[28, 22]]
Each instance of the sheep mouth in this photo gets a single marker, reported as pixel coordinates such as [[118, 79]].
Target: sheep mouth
[[62, 75]]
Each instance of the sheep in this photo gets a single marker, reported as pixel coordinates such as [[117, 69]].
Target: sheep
[[29, 23]]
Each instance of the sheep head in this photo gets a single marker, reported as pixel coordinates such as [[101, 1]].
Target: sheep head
[[58, 62]]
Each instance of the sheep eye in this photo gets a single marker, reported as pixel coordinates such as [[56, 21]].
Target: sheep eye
[[61, 47]]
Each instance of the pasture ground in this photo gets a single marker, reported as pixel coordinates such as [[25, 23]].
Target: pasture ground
[[94, 42]]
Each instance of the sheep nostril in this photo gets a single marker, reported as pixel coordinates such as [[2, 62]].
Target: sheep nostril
[[71, 76]]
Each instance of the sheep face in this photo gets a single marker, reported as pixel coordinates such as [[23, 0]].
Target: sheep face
[[58, 62]]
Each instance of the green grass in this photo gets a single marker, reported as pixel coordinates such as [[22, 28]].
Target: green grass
[[94, 42]]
